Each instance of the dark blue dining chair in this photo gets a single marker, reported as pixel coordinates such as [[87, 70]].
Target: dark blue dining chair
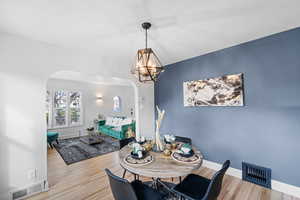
[[183, 139], [122, 189], [195, 187]]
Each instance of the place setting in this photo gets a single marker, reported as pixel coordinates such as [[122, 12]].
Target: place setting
[[139, 154], [179, 151]]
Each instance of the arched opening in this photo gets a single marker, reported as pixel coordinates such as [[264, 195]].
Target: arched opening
[[65, 80]]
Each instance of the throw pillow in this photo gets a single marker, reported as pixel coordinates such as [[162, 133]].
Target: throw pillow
[[126, 121], [109, 121], [117, 128]]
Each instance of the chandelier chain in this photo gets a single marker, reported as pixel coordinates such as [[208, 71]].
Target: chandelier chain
[[146, 42]]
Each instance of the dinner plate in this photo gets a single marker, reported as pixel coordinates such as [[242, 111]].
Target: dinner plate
[[135, 156], [193, 159], [187, 155]]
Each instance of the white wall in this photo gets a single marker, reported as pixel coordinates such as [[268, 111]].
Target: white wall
[[147, 117], [22, 138], [91, 107], [25, 67]]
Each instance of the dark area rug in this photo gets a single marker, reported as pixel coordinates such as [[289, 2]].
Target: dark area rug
[[75, 149]]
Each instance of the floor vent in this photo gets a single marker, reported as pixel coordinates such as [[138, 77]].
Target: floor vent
[[257, 174]]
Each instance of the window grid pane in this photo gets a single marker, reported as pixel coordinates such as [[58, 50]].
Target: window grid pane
[[60, 99], [60, 108], [75, 100], [60, 117], [74, 116], [75, 105]]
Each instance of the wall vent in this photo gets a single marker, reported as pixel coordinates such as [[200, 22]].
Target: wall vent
[[22, 193], [256, 174], [18, 194]]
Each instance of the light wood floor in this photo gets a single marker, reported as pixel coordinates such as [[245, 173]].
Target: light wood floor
[[87, 180]]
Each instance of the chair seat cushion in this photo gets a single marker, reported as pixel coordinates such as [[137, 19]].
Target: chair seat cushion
[[52, 134], [144, 192], [193, 186]]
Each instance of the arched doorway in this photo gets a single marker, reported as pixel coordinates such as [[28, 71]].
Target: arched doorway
[[94, 79]]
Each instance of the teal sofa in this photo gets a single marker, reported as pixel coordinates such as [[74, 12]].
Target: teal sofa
[[111, 130]]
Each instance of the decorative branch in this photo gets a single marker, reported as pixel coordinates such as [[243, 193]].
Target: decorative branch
[[160, 116]]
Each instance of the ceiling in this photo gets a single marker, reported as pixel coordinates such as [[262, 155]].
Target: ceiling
[[94, 79], [181, 29]]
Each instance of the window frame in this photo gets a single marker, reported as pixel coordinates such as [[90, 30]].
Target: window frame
[[49, 124], [52, 124]]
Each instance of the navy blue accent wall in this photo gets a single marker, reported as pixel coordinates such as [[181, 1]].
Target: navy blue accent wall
[[266, 131]]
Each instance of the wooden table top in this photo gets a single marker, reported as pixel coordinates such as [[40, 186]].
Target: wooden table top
[[162, 166]]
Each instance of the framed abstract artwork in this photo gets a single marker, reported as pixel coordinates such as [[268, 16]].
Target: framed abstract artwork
[[226, 90], [117, 104]]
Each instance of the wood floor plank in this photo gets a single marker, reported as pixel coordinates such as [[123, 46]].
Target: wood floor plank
[[86, 180]]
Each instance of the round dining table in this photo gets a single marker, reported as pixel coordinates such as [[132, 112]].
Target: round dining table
[[161, 167]]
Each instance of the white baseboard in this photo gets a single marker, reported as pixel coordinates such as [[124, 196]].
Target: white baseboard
[[286, 188], [216, 166], [276, 185]]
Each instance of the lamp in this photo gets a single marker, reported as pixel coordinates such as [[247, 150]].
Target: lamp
[[147, 66], [99, 98]]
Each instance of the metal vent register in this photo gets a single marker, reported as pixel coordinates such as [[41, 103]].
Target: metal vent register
[[257, 174], [21, 194]]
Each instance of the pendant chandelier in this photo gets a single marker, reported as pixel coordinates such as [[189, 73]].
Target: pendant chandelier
[[147, 66]]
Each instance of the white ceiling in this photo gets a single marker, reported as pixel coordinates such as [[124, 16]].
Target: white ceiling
[[94, 79], [181, 28]]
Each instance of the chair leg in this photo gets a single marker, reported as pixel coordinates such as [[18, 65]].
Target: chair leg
[[124, 173], [154, 183], [51, 145], [136, 177], [57, 141], [181, 197]]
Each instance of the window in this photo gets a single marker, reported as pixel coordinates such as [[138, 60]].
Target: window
[[60, 108], [75, 108], [66, 108]]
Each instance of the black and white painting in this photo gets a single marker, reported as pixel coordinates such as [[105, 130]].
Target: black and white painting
[[221, 91], [117, 104]]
